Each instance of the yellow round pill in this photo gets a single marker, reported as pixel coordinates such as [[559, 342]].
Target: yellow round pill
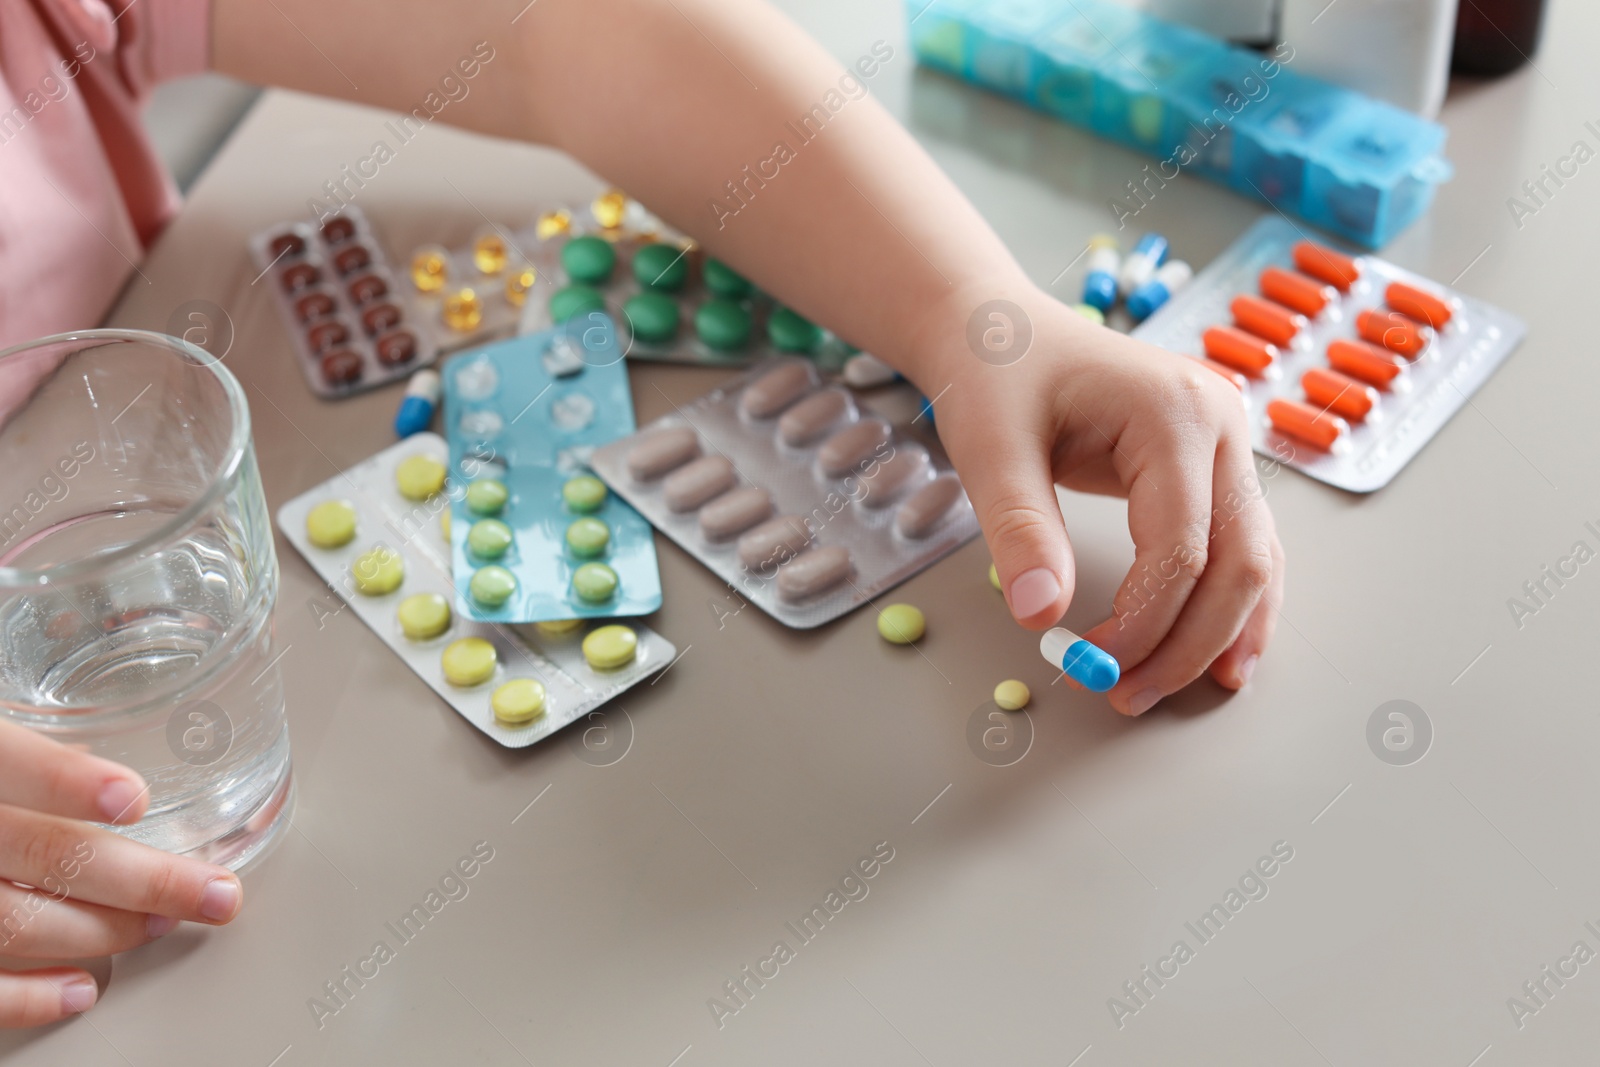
[[419, 477], [378, 571], [901, 624], [557, 627], [444, 523], [331, 523], [519, 701], [994, 576], [610, 647], [424, 616], [469, 661], [1012, 695]]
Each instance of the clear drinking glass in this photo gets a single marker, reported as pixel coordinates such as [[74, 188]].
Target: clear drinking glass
[[137, 581]]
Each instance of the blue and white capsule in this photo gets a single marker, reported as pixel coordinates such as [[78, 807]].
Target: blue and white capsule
[[1100, 284], [1088, 665], [1147, 255], [417, 406], [1148, 298]]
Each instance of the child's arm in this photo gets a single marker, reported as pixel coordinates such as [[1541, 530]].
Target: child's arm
[[857, 228]]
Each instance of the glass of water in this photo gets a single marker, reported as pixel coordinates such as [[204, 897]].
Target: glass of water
[[137, 582]]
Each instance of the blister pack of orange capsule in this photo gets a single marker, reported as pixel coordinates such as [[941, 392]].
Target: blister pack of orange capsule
[[1347, 364]]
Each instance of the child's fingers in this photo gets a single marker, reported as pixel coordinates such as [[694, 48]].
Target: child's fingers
[[38, 773], [1234, 667]]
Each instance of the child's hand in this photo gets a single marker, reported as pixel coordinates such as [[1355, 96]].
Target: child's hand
[[1099, 412]]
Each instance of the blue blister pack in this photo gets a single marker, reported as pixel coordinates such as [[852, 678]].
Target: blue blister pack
[[553, 543]]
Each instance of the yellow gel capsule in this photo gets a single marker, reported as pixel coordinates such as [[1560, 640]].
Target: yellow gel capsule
[[469, 661], [1012, 695], [462, 310], [378, 571], [489, 253], [610, 647], [609, 208], [519, 701], [430, 267], [552, 223], [331, 523], [901, 624], [557, 627], [519, 282], [424, 616], [419, 477]]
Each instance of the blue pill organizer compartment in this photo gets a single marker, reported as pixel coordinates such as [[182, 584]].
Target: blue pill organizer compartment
[[529, 412], [1355, 166]]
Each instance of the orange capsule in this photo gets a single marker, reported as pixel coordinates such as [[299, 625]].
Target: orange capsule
[[1364, 362], [1265, 319], [1418, 304], [1314, 427], [1235, 379], [1335, 268], [1232, 347], [1338, 393], [1296, 290], [1393, 331]]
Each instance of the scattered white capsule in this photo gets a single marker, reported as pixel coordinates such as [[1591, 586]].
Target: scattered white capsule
[[1147, 255], [417, 406], [865, 371], [1173, 275], [1100, 284]]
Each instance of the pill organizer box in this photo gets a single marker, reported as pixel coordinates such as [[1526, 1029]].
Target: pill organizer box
[[529, 412], [413, 529], [1350, 164], [352, 325], [1432, 372], [804, 500]]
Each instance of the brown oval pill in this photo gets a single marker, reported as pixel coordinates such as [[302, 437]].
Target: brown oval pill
[[341, 367], [368, 287], [692, 485], [286, 244], [313, 306], [846, 451], [894, 476], [299, 275], [777, 389], [813, 572], [380, 317], [338, 229], [774, 541], [396, 348], [325, 335], [661, 451], [815, 416], [928, 506], [734, 512], [352, 259]]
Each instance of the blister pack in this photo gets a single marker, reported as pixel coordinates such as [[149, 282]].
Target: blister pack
[[1348, 364], [807, 503], [352, 326], [375, 536], [535, 536]]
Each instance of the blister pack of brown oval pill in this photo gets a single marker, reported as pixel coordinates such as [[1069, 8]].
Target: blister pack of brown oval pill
[[805, 500]]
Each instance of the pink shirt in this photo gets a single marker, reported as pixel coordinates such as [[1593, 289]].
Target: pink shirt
[[84, 190]]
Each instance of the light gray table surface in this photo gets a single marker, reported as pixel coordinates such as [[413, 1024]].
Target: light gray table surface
[[1020, 898]]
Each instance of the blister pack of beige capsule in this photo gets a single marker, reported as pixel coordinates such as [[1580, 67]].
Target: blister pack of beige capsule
[[805, 501], [380, 541]]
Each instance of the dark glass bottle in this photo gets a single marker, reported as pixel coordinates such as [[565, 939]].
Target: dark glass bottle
[[1495, 36]]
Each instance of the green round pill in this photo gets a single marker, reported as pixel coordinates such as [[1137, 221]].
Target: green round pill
[[588, 537], [660, 266], [722, 324], [584, 493], [588, 259], [424, 615], [594, 582], [489, 538], [492, 586], [653, 316], [574, 300], [788, 332], [487, 496], [721, 280]]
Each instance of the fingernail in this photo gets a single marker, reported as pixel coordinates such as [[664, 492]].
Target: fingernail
[[1033, 591], [117, 798], [1246, 669], [78, 994], [1144, 700], [159, 926], [220, 900]]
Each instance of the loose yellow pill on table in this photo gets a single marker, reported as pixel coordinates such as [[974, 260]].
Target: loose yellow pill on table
[[419, 477], [331, 523], [1012, 695], [424, 616], [994, 576], [557, 627], [519, 701], [901, 624], [469, 661], [610, 647], [378, 571]]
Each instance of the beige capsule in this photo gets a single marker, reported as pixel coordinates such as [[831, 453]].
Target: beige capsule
[[814, 416], [662, 450], [774, 541], [927, 507], [777, 389], [847, 451], [906, 468], [695, 483], [734, 512], [813, 572]]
